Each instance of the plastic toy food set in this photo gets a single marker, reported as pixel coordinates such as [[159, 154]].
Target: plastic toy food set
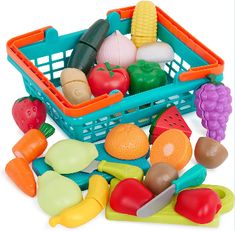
[[110, 87]]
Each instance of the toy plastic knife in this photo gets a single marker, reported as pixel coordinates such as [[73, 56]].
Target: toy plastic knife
[[193, 177], [120, 171]]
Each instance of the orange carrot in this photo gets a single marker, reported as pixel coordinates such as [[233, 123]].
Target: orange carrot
[[33, 143], [172, 147], [21, 174]]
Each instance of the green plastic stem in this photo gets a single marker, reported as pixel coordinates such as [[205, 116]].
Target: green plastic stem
[[47, 129], [213, 80], [31, 98]]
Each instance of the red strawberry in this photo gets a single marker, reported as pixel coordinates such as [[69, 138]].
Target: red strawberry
[[199, 205], [29, 112]]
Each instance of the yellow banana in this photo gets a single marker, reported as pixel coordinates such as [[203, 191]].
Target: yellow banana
[[144, 24], [89, 208]]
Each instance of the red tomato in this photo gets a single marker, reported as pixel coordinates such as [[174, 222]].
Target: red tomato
[[105, 77]]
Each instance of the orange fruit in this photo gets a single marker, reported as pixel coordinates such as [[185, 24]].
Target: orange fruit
[[127, 142], [172, 147]]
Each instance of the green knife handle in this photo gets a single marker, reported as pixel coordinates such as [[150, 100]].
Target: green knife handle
[[121, 171], [195, 176]]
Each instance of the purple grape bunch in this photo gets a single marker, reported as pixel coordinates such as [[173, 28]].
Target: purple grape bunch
[[213, 106]]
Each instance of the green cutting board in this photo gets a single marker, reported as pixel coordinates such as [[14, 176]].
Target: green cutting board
[[168, 215]]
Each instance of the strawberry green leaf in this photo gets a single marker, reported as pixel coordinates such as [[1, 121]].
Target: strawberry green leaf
[[31, 98]]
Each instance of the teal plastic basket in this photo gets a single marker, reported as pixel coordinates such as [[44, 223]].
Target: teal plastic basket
[[51, 54]]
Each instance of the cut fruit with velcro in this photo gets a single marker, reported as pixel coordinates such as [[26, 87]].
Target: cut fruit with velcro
[[172, 147], [168, 118]]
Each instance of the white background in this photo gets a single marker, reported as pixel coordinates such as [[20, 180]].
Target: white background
[[211, 21]]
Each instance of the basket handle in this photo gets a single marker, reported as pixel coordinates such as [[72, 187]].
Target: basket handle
[[215, 63], [49, 34], [13, 51]]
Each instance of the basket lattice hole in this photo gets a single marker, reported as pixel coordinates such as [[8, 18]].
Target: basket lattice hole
[[173, 97], [33, 61], [166, 120], [65, 123], [87, 138], [131, 110], [58, 65], [161, 101], [57, 74], [175, 67], [71, 128], [99, 126], [118, 114], [185, 107], [41, 60], [144, 120], [57, 56], [177, 58], [154, 116], [48, 76], [85, 131], [170, 117], [55, 114], [88, 123], [182, 126], [68, 53], [102, 119], [186, 65], [172, 73], [145, 106], [44, 69], [39, 93], [113, 122], [167, 69], [100, 134]]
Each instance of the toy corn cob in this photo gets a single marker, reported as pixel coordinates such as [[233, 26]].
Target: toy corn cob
[[144, 23]]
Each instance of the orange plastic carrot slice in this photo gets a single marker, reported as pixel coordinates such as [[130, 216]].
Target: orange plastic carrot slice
[[172, 147], [21, 174]]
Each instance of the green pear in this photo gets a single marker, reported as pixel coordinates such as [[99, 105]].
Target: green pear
[[56, 193], [70, 156]]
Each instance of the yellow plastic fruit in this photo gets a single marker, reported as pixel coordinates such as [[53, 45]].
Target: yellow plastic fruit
[[144, 24], [89, 208]]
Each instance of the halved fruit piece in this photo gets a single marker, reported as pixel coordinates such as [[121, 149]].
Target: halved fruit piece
[[169, 118]]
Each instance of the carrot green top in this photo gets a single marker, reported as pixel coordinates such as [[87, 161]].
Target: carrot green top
[[47, 129]]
